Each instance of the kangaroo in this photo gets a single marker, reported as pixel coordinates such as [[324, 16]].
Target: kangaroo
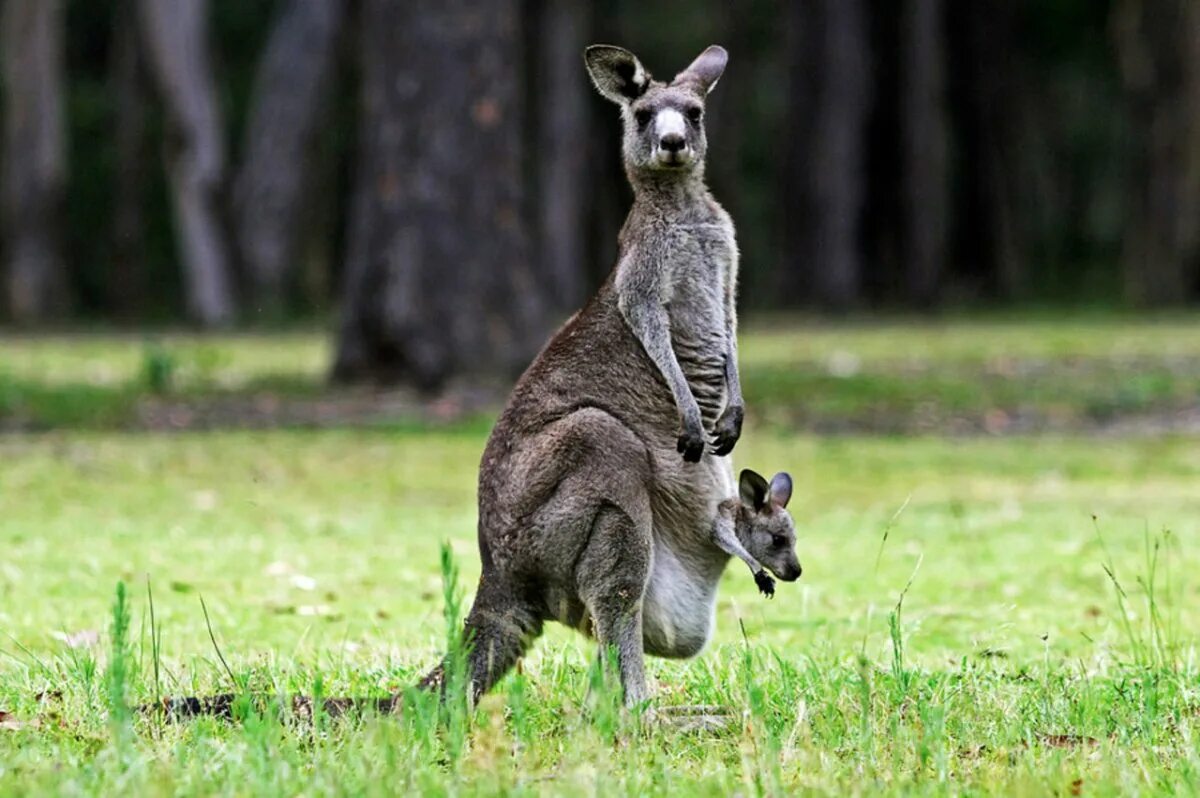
[[604, 486], [588, 514]]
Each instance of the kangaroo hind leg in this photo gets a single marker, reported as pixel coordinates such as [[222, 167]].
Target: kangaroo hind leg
[[611, 577]]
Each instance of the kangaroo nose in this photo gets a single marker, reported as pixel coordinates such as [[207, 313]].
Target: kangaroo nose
[[672, 142]]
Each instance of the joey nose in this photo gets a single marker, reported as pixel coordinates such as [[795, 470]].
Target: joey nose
[[672, 142]]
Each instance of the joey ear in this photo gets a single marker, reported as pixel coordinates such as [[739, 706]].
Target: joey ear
[[706, 70], [781, 489], [616, 72], [753, 489]]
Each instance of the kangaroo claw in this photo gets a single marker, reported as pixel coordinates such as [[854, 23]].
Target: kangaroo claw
[[766, 585]]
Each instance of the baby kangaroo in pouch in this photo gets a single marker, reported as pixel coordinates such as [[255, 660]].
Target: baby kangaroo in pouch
[[757, 529]]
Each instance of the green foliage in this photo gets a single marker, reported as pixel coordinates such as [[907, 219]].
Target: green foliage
[[118, 675], [158, 370]]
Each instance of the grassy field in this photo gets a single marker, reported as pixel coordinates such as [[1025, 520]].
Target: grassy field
[[994, 375], [1014, 664]]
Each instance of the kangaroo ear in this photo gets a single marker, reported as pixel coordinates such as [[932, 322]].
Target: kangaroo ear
[[706, 70], [616, 72], [781, 489], [753, 489]]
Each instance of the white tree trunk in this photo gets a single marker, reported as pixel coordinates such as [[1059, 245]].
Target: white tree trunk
[[176, 35]]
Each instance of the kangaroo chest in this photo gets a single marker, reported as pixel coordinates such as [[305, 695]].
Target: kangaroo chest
[[700, 264]]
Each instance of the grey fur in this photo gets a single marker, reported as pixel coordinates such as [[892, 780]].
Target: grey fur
[[587, 513]]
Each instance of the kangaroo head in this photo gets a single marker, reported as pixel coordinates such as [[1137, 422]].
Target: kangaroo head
[[664, 122], [764, 525]]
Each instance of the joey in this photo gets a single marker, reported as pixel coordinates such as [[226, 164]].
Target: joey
[[757, 529]]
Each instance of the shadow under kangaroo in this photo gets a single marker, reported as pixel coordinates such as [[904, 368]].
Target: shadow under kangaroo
[[606, 498]]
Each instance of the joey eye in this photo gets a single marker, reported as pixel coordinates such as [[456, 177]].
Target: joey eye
[[694, 113], [642, 117], [779, 540]]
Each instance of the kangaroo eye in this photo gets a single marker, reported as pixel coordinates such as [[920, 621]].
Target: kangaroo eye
[[642, 117], [694, 113], [779, 540]]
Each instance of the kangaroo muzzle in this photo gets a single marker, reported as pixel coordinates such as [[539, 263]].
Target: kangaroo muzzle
[[671, 146]]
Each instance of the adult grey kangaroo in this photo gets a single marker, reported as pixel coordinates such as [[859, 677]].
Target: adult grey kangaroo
[[602, 477]]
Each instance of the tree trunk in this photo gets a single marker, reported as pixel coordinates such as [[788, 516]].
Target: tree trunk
[[924, 137], [269, 193], [127, 75], [826, 176], [438, 278], [1159, 48], [561, 156], [34, 157], [176, 36], [990, 240]]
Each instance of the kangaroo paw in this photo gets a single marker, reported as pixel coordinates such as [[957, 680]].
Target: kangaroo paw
[[766, 585]]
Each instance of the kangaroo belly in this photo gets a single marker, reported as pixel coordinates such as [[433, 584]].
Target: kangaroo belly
[[679, 606], [702, 359]]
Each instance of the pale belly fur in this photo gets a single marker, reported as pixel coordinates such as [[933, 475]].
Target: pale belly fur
[[679, 607]]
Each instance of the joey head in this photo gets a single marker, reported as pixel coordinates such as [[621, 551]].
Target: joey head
[[757, 529]]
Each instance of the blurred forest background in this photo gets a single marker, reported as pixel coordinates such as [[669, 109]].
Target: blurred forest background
[[439, 176]]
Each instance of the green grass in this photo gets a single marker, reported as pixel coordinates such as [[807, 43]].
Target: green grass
[[1012, 666], [959, 375]]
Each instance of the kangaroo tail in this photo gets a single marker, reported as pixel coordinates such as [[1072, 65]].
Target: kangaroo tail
[[226, 705], [497, 631]]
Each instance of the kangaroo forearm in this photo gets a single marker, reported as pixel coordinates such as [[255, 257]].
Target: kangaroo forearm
[[733, 381], [726, 540]]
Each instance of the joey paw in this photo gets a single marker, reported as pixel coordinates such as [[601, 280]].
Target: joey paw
[[766, 585], [728, 430], [691, 444]]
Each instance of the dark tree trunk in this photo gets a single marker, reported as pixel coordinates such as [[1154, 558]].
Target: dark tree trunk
[[608, 194], [729, 107], [127, 75], [269, 193], [438, 281], [34, 157], [826, 176], [560, 102], [994, 161], [924, 139], [1159, 48], [176, 37]]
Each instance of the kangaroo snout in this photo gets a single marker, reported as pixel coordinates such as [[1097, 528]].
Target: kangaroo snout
[[672, 142]]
